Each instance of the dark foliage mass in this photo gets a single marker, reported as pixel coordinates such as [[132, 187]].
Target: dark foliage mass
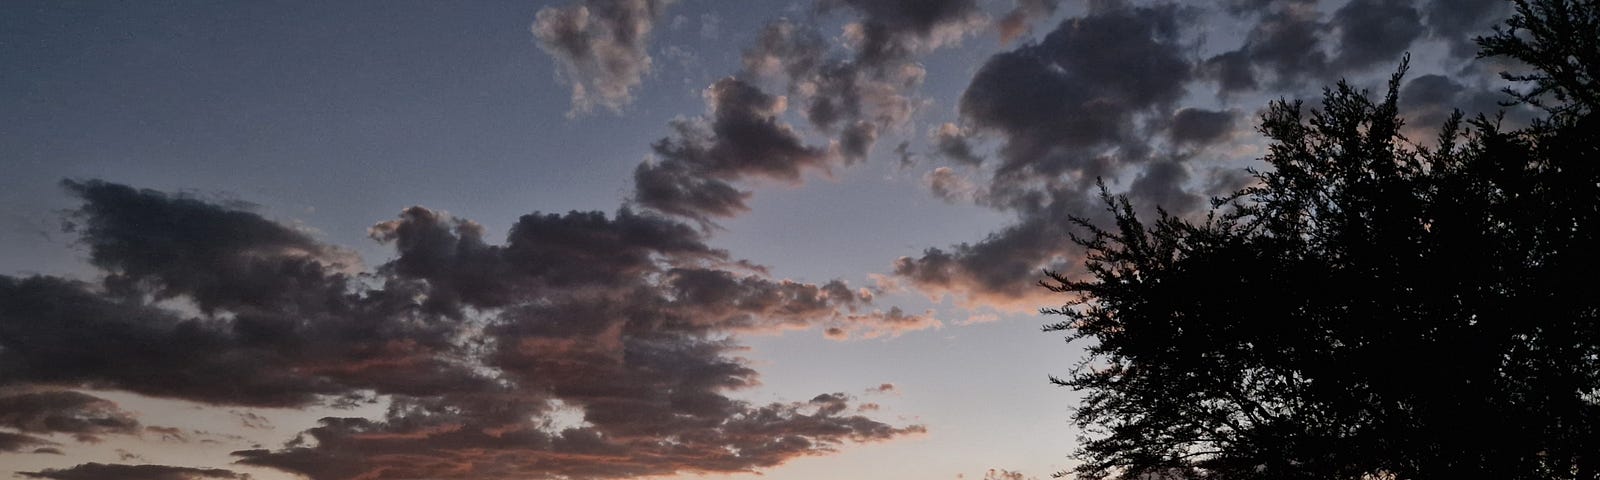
[[1372, 308]]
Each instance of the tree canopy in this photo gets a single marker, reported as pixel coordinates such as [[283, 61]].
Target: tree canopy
[[1375, 306]]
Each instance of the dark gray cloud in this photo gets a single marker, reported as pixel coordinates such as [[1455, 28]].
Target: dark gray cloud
[[620, 322], [1285, 46], [102, 471], [1085, 101], [15, 442], [740, 137], [578, 250], [857, 96], [1162, 184], [1232, 71], [1001, 271], [889, 30], [84, 416], [220, 258], [1075, 106], [758, 436], [676, 188], [1460, 21], [1199, 127], [43, 325], [952, 143], [851, 98], [1060, 104], [600, 47], [1375, 32], [279, 323], [1428, 100]]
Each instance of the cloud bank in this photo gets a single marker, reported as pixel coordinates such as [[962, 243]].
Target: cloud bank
[[622, 322], [1139, 96]]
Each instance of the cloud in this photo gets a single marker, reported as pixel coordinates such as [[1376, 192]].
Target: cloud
[[1162, 184], [1001, 271], [878, 324], [600, 47], [740, 137], [1059, 104], [1375, 32], [218, 257], [1285, 44], [710, 26], [137, 348], [1084, 102], [101, 471], [1016, 23], [895, 29], [84, 416], [622, 322], [852, 98], [1081, 105], [278, 323], [856, 97], [1428, 100], [1201, 127], [16, 442], [954, 144], [758, 436], [1002, 474], [948, 185], [1460, 21]]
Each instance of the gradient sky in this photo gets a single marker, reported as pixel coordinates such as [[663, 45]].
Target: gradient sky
[[790, 239]]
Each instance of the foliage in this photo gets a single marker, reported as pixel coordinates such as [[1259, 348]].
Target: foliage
[[1372, 308]]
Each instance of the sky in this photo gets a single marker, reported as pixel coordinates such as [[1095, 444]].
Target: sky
[[729, 239]]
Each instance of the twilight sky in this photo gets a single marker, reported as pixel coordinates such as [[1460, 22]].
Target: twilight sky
[[791, 239]]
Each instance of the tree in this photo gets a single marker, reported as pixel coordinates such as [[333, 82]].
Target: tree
[[1372, 308]]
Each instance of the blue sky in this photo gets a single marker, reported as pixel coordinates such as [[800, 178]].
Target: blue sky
[[823, 220]]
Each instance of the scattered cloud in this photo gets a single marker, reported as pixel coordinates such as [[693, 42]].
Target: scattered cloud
[[601, 48], [101, 471], [1019, 20], [953, 143], [895, 29], [15, 442], [949, 186], [740, 137], [85, 417]]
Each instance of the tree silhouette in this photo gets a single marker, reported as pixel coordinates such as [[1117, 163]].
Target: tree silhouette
[[1372, 308]]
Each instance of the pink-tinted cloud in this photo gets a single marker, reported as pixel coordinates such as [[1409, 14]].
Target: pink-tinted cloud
[[601, 48], [621, 321]]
